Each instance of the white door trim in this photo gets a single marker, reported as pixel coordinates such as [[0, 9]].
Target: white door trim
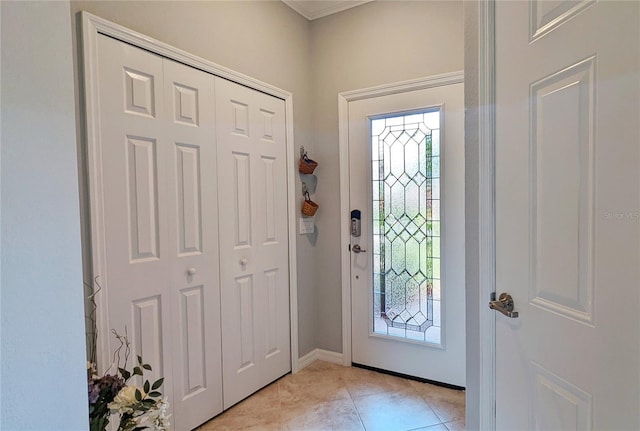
[[92, 26], [486, 217], [345, 234]]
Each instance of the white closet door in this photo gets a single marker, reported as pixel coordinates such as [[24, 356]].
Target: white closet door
[[137, 253], [159, 175], [253, 239], [193, 237]]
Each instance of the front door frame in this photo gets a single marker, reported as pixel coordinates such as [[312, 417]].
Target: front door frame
[[345, 234], [92, 26], [480, 236], [481, 352]]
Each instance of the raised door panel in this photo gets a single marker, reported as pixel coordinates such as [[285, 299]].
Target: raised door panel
[[132, 165], [253, 240], [188, 199], [142, 184], [191, 178], [562, 198], [547, 15]]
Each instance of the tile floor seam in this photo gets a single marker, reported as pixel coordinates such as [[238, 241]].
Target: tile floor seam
[[357, 412]]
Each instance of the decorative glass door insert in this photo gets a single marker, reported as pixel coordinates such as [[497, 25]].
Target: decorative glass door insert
[[405, 157]]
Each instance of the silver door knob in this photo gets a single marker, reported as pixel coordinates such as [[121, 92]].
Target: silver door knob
[[356, 249], [191, 271], [504, 304]]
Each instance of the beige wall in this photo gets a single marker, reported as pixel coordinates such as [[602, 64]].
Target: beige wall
[[41, 313], [263, 39], [377, 43]]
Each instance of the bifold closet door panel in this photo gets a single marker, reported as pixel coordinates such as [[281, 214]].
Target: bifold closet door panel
[[158, 166], [254, 269], [132, 165], [191, 177]]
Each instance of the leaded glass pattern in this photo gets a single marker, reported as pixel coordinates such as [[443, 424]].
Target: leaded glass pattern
[[406, 225]]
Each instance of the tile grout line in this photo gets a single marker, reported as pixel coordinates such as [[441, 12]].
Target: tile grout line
[[355, 406]]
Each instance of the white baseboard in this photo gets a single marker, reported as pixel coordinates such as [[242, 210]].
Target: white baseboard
[[329, 356], [307, 359], [319, 355]]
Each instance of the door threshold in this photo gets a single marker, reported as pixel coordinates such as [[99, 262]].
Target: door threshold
[[408, 377]]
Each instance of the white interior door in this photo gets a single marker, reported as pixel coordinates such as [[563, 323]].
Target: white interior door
[[253, 239], [567, 215], [407, 282], [160, 219]]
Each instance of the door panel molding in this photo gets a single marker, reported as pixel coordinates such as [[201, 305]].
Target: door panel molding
[[92, 27], [343, 115]]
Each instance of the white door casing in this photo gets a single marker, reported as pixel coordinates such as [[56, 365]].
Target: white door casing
[[161, 282], [567, 211], [446, 362], [253, 237]]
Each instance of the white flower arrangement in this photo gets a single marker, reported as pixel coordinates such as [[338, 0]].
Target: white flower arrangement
[[138, 408]]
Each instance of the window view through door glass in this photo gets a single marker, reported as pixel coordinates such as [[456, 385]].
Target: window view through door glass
[[405, 157]]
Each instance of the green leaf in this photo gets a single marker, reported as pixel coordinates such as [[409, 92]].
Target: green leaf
[[155, 394], [139, 359], [138, 395], [146, 367], [124, 373], [99, 424], [146, 386], [157, 383], [137, 371]]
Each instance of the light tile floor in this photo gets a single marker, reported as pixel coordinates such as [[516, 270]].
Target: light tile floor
[[329, 397]]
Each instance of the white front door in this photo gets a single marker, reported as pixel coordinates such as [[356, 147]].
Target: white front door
[[253, 239], [158, 166], [568, 215], [407, 277]]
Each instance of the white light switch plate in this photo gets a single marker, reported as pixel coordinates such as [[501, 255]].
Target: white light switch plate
[[306, 225]]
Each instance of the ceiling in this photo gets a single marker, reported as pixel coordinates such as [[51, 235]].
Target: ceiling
[[313, 9]]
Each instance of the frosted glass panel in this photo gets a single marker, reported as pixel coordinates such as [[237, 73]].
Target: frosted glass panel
[[405, 179]]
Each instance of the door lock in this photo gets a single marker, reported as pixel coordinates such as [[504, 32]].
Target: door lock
[[504, 304]]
